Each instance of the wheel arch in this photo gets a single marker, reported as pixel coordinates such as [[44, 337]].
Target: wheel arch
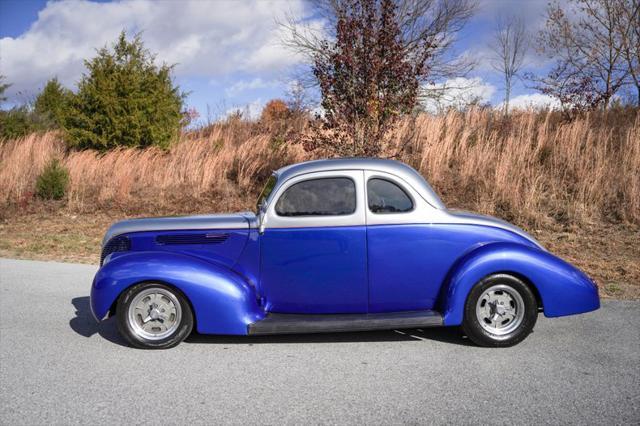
[[221, 300], [560, 288]]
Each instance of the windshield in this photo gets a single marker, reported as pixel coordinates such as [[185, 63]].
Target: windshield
[[266, 191]]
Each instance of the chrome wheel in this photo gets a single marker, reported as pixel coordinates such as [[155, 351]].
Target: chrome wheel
[[154, 314], [500, 310]]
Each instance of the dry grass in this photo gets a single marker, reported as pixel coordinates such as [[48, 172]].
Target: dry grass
[[533, 169]]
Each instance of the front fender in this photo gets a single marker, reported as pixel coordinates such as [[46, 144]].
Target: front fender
[[563, 288], [222, 301]]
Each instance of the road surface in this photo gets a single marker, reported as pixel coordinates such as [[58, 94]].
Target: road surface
[[58, 366]]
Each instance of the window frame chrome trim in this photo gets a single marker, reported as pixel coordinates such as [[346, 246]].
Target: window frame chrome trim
[[272, 220]]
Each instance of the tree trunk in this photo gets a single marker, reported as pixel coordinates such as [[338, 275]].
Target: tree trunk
[[507, 95]]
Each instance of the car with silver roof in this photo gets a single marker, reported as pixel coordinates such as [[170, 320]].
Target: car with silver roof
[[334, 245]]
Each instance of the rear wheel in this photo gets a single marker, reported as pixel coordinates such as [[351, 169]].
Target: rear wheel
[[500, 311], [154, 316]]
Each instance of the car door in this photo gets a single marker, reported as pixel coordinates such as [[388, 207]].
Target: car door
[[399, 248], [313, 246]]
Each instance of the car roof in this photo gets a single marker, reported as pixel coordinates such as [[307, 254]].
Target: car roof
[[396, 168]]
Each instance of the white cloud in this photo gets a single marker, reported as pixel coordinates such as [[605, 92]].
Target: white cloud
[[248, 85], [456, 93], [532, 101], [205, 38]]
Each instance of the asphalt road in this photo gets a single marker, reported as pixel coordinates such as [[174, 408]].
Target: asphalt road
[[59, 366]]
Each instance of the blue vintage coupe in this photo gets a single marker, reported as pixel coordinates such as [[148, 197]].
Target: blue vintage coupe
[[335, 245]]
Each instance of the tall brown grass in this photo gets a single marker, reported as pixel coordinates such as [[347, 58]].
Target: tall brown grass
[[532, 168]]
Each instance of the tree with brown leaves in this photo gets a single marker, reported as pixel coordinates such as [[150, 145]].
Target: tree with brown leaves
[[370, 71]]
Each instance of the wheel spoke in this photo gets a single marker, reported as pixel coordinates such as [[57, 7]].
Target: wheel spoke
[[485, 311], [508, 316], [495, 320]]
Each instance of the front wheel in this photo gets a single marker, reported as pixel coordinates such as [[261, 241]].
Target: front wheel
[[153, 316], [500, 311]]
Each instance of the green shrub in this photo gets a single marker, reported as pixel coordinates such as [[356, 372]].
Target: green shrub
[[53, 102], [20, 121], [53, 181], [125, 99]]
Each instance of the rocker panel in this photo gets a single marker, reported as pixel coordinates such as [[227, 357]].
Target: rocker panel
[[326, 323]]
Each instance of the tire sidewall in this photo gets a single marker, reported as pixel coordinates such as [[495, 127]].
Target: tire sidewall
[[122, 309], [482, 337]]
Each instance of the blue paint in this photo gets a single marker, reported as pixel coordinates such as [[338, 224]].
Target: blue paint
[[315, 270], [564, 289], [248, 262], [223, 302], [225, 254], [409, 263]]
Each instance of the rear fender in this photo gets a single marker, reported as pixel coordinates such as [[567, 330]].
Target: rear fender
[[223, 302], [563, 288]]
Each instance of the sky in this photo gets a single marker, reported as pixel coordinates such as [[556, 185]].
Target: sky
[[228, 53]]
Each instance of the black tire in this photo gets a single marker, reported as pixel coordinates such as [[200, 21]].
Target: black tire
[[479, 333], [181, 332]]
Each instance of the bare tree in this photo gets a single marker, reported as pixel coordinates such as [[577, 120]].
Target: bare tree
[[628, 28], [297, 98], [585, 42], [509, 47]]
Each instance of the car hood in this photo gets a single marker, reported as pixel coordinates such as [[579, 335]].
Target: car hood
[[459, 216], [243, 220]]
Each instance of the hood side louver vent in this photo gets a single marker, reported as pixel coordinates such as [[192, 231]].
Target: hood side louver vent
[[116, 244], [170, 239]]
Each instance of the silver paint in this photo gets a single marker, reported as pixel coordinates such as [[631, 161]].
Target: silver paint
[[396, 168], [422, 210], [242, 220]]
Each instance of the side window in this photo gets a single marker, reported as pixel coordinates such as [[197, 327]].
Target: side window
[[387, 197], [318, 197]]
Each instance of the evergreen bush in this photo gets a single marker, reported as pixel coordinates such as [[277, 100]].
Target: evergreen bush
[[53, 181]]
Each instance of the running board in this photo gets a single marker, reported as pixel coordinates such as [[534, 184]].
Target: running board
[[328, 323]]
